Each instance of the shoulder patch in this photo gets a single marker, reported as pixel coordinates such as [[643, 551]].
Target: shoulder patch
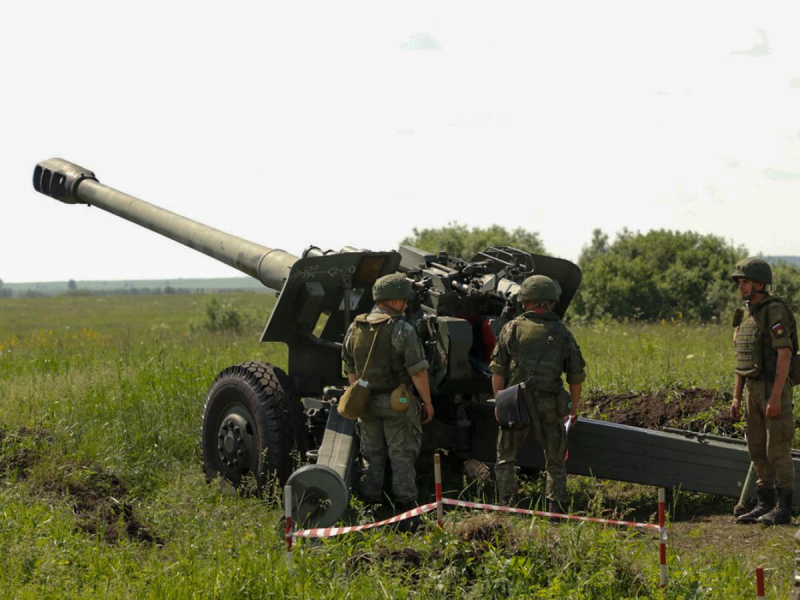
[[778, 330]]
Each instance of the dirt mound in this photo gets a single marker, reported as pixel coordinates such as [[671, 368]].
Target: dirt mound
[[695, 409], [483, 529], [98, 509]]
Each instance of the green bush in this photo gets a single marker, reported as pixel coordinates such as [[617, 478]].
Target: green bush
[[222, 316], [657, 275]]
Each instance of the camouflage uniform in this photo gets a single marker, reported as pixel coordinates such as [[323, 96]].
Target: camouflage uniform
[[769, 440], [383, 432], [518, 359]]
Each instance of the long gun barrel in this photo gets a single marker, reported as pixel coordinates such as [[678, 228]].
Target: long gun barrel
[[72, 184]]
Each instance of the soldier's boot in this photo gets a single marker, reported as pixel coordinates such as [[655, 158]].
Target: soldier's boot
[[766, 502], [370, 510], [408, 525], [506, 481], [557, 507], [782, 513], [373, 508]]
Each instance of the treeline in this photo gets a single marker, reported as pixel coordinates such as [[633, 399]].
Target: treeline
[[660, 274]]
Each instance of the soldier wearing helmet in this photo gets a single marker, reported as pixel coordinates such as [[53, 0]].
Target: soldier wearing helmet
[[765, 338], [386, 344], [537, 348]]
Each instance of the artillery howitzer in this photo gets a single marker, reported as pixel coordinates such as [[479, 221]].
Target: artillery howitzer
[[258, 419]]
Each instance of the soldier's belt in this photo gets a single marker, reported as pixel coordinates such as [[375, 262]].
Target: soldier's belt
[[377, 391]]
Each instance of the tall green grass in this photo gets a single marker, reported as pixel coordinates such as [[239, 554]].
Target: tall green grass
[[643, 357]]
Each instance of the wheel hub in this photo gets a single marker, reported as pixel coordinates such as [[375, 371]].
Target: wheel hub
[[235, 443]]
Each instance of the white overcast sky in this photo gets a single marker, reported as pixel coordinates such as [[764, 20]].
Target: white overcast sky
[[344, 123]]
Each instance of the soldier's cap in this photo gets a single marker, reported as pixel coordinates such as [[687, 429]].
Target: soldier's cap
[[393, 287]]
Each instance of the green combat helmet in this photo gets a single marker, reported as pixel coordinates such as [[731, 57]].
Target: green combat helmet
[[539, 288], [753, 268], [392, 287]]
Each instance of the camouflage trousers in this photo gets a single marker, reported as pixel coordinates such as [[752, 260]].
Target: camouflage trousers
[[769, 440], [550, 433], [384, 434]]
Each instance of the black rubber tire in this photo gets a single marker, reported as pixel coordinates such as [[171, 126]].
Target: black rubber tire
[[253, 423]]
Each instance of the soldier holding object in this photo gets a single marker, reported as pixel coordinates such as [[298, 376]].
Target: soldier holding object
[[537, 348], [765, 340], [397, 357]]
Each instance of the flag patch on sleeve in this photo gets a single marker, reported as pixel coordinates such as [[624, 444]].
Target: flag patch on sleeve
[[778, 329]]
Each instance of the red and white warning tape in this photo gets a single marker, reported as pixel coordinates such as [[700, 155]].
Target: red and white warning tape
[[326, 532], [543, 513]]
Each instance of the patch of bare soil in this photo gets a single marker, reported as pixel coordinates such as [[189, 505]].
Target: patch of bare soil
[[695, 409], [99, 510], [488, 528]]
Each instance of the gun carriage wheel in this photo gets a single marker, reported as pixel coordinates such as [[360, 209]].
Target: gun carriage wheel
[[253, 423]]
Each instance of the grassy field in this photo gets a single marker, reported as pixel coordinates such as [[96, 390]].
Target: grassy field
[[101, 491]]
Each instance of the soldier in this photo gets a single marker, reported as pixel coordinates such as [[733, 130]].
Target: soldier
[[765, 339], [536, 348], [398, 358]]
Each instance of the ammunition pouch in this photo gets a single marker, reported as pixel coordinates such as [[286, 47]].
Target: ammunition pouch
[[355, 400], [512, 410]]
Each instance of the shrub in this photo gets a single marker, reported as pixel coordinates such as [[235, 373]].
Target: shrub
[[222, 316]]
